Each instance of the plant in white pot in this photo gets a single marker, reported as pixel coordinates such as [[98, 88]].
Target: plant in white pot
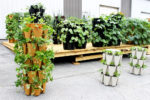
[[105, 67], [133, 51], [112, 68], [106, 79], [139, 52], [137, 69], [135, 60], [109, 57], [117, 57], [115, 78]]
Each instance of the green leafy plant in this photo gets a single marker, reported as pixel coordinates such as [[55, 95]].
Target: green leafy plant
[[116, 74], [137, 66], [109, 52], [136, 31], [118, 53], [103, 62], [144, 66], [112, 64]]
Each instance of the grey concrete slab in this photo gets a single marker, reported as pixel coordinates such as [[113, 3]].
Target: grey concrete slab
[[76, 82]]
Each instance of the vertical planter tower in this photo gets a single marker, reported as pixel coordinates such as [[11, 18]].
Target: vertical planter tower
[[110, 73], [34, 57], [137, 60]]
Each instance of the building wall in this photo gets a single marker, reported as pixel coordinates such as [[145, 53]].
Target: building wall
[[92, 7], [139, 6], [9, 6]]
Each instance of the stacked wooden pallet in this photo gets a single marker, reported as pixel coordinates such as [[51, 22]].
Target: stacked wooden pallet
[[82, 54]]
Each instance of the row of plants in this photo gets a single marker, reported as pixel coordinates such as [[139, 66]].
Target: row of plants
[[33, 55]]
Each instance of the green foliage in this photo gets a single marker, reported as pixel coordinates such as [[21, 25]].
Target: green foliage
[[109, 52], [118, 53], [136, 31], [112, 64], [78, 29], [137, 66], [108, 30], [116, 74]]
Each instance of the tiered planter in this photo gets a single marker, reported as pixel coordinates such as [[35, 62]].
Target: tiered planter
[[111, 68], [34, 59], [137, 60], [32, 48]]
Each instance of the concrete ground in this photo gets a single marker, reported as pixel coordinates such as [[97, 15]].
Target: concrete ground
[[75, 82]]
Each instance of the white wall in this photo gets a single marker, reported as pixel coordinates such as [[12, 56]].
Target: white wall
[[92, 7], [9, 6], [138, 6]]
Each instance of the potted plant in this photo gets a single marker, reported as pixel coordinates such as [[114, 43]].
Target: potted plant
[[37, 11], [115, 78], [139, 52], [56, 21], [106, 79], [109, 57], [117, 57]]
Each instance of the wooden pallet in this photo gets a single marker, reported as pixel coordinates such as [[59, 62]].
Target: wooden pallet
[[81, 54]]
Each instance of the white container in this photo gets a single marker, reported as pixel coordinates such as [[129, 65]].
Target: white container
[[141, 62], [116, 60], [102, 77], [109, 59], [121, 59], [114, 81], [131, 69], [136, 71], [131, 60], [141, 71], [111, 70], [118, 69], [139, 54], [133, 53], [104, 56], [105, 68], [106, 80], [144, 54], [135, 61]]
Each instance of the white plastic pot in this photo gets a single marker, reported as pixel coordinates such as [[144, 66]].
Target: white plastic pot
[[119, 69], [114, 81], [131, 60], [104, 56], [102, 78], [131, 69], [106, 80], [121, 59], [139, 54], [105, 67], [116, 60], [141, 71], [111, 70], [144, 54], [133, 53], [135, 61], [136, 71], [109, 59], [141, 62]]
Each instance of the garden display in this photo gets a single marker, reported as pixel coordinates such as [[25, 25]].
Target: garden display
[[111, 61], [75, 33], [107, 30], [137, 60], [12, 26], [33, 56]]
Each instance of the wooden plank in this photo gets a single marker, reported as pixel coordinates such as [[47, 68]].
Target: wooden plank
[[89, 57], [9, 45]]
